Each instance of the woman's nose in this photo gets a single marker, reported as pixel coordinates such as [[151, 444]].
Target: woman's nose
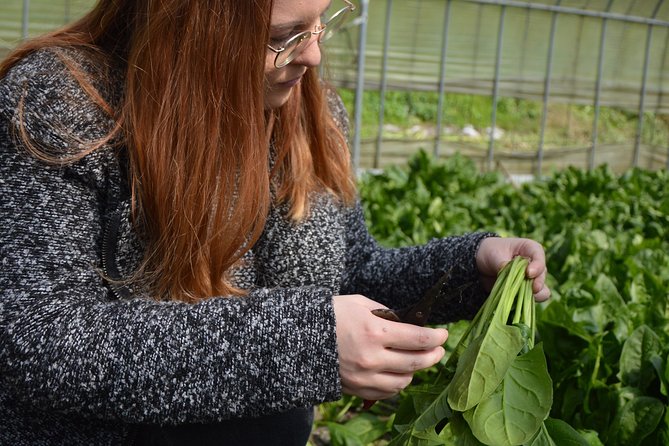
[[311, 56]]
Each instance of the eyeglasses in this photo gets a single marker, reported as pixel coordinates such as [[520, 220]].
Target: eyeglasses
[[294, 46]]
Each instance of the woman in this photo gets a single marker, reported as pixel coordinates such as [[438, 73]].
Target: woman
[[182, 251]]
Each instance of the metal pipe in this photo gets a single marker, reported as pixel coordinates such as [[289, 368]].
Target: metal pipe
[[360, 83], [659, 101], [384, 83], [495, 90], [574, 11], [574, 64], [477, 41], [644, 84], [526, 40], [442, 79], [67, 17], [662, 70], [598, 90], [547, 89], [25, 19]]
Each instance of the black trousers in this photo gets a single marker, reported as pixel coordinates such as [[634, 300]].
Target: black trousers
[[286, 429]]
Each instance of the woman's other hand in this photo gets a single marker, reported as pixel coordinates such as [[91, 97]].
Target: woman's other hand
[[377, 357], [495, 252]]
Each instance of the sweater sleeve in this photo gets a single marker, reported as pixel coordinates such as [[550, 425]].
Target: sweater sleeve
[[66, 346], [398, 277]]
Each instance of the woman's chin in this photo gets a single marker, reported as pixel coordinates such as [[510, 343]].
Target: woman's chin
[[279, 94], [277, 99]]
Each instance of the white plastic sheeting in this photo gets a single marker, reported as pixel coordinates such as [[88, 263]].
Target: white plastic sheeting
[[618, 46]]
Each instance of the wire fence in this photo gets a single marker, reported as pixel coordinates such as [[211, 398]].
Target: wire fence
[[20, 19], [599, 53], [611, 58]]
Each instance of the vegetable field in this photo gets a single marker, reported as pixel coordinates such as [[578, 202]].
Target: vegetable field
[[604, 333]]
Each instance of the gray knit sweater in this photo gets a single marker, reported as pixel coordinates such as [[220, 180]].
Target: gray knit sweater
[[81, 358]]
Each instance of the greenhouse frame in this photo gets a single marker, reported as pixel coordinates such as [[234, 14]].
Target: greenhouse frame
[[595, 53]]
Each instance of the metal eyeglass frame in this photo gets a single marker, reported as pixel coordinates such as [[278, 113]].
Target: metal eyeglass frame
[[295, 43]]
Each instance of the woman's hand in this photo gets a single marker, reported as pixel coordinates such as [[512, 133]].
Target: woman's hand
[[495, 252], [377, 357]]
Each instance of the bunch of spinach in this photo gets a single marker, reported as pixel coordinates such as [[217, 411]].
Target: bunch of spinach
[[496, 385]]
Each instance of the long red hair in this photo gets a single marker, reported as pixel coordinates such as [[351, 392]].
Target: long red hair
[[192, 118]]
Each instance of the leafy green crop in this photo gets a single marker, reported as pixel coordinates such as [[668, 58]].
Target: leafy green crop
[[605, 332], [495, 387]]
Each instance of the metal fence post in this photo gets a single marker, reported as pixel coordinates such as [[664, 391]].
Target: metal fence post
[[360, 83], [598, 89], [495, 89], [547, 90], [442, 78], [68, 15], [384, 82], [25, 19], [661, 94], [644, 82]]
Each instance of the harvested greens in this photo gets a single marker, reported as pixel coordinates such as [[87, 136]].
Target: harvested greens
[[496, 386]]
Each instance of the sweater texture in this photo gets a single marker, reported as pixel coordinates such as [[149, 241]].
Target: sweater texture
[[82, 359]]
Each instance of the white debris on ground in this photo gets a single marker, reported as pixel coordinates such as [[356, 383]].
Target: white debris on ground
[[470, 131], [496, 133]]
